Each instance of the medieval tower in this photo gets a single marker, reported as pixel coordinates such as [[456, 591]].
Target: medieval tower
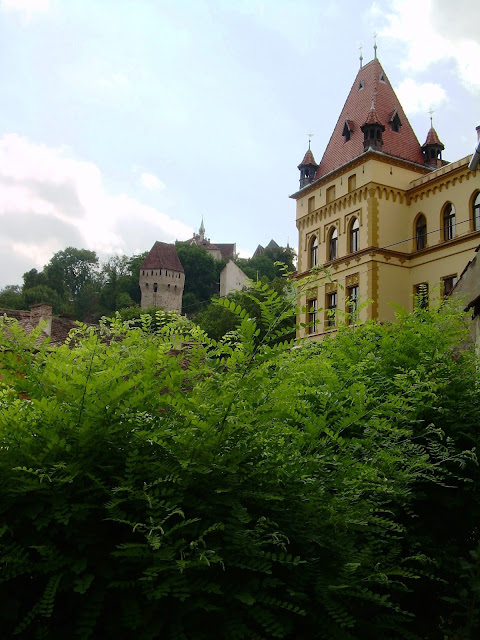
[[162, 278]]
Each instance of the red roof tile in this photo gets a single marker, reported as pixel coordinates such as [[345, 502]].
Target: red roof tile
[[308, 159], [432, 138], [227, 250], [402, 144], [162, 256]]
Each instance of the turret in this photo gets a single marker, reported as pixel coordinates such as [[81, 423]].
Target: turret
[[432, 149], [308, 168], [372, 131]]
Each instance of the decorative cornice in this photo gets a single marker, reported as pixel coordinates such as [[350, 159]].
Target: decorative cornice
[[358, 161]]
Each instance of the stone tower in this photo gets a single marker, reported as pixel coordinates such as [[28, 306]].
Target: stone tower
[[162, 278]]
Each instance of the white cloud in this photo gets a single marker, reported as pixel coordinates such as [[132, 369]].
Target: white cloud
[[25, 6], [150, 181], [433, 31], [418, 97], [50, 200]]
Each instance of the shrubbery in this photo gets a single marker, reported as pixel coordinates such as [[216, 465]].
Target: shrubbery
[[239, 490]]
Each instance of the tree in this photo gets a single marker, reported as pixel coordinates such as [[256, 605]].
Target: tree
[[246, 487], [202, 276], [11, 297]]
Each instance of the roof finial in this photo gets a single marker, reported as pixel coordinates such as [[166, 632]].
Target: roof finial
[[361, 54], [310, 136], [375, 44], [431, 112]]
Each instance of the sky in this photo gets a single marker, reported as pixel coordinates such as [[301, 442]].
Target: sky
[[123, 122]]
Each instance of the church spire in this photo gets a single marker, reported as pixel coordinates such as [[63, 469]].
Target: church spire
[[201, 231]]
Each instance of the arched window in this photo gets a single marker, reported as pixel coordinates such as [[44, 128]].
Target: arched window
[[421, 232], [333, 245], [476, 213], [354, 235], [449, 222], [313, 251]]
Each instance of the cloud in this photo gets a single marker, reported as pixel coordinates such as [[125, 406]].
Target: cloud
[[442, 30], [418, 97], [151, 182], [50, 200], [27, 7]]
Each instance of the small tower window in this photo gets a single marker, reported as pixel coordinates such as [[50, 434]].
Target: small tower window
[[421, 232], [354, 235], [313, 251], [449, 222], [333, 245], [476, 213], [155, 287]]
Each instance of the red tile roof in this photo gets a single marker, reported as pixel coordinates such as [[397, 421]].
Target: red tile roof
[[402, 144], [227, 250], [432, 138], [308, 159], [372, 117], [162, 256]]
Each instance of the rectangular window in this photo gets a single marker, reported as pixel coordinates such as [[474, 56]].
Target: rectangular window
[[155, 287], [352, 304], [312, 315], [331, 308], [448, 283], [421, 295], [331, 194], [352, 182], [311, 204]]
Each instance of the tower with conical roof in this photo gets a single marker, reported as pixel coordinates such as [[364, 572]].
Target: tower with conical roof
[[384, 213], [432, 149], [308, 168]]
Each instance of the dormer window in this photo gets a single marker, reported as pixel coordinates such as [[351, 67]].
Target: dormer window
[[347, 130], [395, 122], [382, 78], [360, 86]]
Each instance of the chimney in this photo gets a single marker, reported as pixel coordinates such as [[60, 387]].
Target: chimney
[[474, 162], [42, 312]]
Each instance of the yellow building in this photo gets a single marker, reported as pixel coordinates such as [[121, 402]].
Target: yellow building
[[387, 216]]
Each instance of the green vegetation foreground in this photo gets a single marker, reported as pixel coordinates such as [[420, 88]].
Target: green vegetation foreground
[[240, 489]]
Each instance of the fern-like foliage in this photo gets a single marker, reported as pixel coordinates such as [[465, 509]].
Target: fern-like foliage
[[159, 484]]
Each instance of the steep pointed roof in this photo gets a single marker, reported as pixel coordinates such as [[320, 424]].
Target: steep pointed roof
[[308, 159], [401, 144], [372, 117], [162, 256], [432, 138]]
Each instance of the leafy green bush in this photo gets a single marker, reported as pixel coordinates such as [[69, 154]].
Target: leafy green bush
[[232, 490]]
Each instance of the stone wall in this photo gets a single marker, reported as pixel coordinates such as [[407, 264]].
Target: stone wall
[[162, 288]]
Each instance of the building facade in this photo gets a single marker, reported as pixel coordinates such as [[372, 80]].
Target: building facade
[[162, 278], [385, 216]]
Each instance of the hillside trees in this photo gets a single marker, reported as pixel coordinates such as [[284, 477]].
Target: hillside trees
[[243, 487]]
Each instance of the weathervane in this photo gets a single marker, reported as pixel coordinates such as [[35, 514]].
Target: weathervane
[[310, 136], [361, 54], [431, 112], [375, 44]]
